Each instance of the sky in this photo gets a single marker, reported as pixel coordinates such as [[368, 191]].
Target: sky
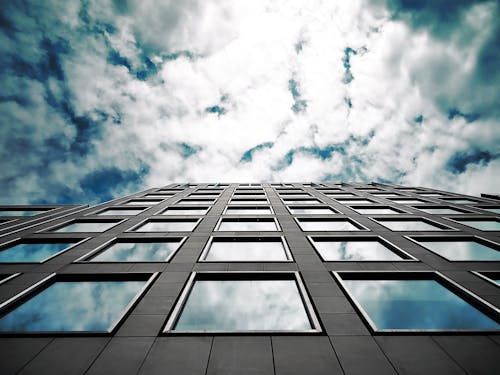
[[103, 98]]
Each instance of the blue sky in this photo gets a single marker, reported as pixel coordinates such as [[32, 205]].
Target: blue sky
[[103, 98]]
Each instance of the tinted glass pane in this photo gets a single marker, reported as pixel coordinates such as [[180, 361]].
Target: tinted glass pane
[[73, 306], [248, 211], [247, 225], [334, 225], [137, 252], [408, 201], [354, 250], [32, 252], [376, 211], [416, 304], [409, 225], [196, 211], [21, 213], [227, 251], [141, 203], [494, 210], [461, 201], [440, 211], [86, 227], [167, 226], [462, 250], [229, 305], [311, 211], [482, 224], [198, 202], [119, 212]]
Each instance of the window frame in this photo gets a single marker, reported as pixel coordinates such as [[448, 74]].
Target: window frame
[[118, 207], [361, 227], [25, 295], [465, 219], [51, 229], [212, 239], [294, 206], [397, 211], [472, 299], [460, 211], [405, 256], [444, 227], [176, 311], [179, 208], [256, 208], [481, 274], [85, 259], [9, 277]]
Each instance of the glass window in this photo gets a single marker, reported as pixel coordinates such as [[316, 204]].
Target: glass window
[[461, 250], [256, 225], [134, 251], [78, 226], [30, 252], [185, 211], [332, 250], [184, 225], [304, 210], [327, 225], [495, 210], [294, 196], [415, 304], [355, 201], [120, 211], [196, 201], [244, 249], [440, 210], [386, 195], [138, 202], [430, 194], [376, 210], [301, 201], [158, 196], [486, 225], [410, 225], [344, 195], [248, 201], [460, 201], [73, 306], [408, 201], [244, 303], [23, 212], [248, 211]]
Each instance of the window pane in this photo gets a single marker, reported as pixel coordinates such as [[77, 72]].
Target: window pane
[[137, 252], [73, 306], [416, 304], [355, 201], [198, 202], [495, 210], [116, 211], [167, 226], [257, 226], [185, 211], [232, 305], [230, 251], [248, 211], [462, 250], [409, 225], [32, 252], [325, 225], [86, 226], [461, 201], [482, 224], [142, 202], [311, 210], [301, 201], [440, 211], [248, 201], [354, 250], [21, 212], [376, 211], [408, 201]]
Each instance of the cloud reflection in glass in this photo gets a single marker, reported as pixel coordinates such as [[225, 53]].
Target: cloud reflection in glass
[[462, 250], [137, 252], [244, 305], [416, 305], [31, 252], [72, 306], [355, 251], [231, 251]]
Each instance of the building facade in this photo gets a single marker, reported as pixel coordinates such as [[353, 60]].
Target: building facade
[[265, 278]]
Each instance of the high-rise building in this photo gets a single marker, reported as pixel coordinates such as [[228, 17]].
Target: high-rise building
[[274, 278]]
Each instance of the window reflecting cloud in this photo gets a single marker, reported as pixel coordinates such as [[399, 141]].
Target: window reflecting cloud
[[31, 252], [137, 252], [228, 251], [73, 306], [482, 224], [311, 211], [229, 305], [21, 213], [354, 250], [327, 225], [118, 212], [85, 227], [408, 225], [462, 250], [167, 226], [416, 304], [242, 225]]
